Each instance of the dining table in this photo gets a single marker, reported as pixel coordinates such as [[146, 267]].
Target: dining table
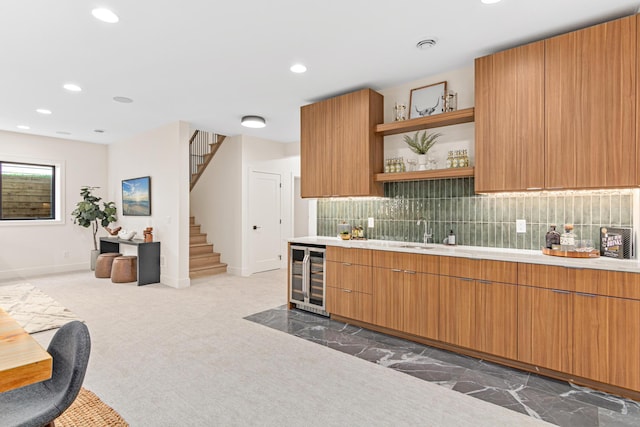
[[23, 360]]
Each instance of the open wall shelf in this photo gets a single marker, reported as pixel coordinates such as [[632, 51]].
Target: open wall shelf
[[444, 119], [425, 175]]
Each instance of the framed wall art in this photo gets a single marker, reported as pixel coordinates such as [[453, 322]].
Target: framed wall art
[[427, 100], [136, 196]]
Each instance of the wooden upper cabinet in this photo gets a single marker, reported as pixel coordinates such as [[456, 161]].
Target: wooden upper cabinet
[[340, 152], [509, 114], [590, 107], [315, 157]]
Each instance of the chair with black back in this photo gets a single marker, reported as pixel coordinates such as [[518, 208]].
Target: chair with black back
[[39, 404]]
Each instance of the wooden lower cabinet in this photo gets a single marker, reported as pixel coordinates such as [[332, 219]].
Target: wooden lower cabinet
[[349, 286], [624, 342], [388, 295], [350, 304], [421, 305], [405, 292], [457, 311], [496, 318], [545, 328]]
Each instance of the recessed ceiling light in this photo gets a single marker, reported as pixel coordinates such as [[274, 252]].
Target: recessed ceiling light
[[123, 99], [23, 127], [98, 130], [63, 132], [490, 1], [298, 68], [105, 15], [71, 87], [253, 122], [43, 111]]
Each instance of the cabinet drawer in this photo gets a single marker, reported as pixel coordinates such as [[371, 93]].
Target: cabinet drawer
[[350, 304], [349, 255], [349, 276], [406, 261], [545, 276]]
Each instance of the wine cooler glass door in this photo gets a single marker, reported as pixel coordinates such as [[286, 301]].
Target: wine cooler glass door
[[298, 270], [316, 277]]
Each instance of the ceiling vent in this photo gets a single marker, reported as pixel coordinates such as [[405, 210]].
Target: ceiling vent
[[426, 44]]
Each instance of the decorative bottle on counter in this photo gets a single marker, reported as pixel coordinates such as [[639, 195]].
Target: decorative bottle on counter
[[568, 239], [451, 240], [552, 237]]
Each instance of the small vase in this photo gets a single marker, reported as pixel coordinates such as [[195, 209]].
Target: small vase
[[422, 162], [94, 257]]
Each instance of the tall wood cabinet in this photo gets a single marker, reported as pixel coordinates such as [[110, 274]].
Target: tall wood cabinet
[[560, 113], [340, 153], [509, 102], [590, 106]]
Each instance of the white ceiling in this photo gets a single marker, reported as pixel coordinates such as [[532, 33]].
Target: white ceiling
[[210, 62]]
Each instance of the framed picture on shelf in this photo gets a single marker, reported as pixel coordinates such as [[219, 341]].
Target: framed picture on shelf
[[136, 196], [427, 100]]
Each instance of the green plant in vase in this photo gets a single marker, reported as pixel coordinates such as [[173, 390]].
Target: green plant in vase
[[89, 213], [421, 144]]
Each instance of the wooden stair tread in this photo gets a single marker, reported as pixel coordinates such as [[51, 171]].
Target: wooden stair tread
[[217, 265], [207, 255]]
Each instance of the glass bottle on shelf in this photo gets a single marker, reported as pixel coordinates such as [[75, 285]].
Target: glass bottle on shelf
[[449, 162], [455, 158]]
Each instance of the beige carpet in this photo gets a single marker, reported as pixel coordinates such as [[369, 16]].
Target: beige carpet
[[32, 309], [89, 411]]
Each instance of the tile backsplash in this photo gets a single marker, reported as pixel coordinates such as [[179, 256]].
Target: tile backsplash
[[476, 219]]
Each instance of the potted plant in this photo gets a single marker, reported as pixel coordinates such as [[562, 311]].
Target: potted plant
[[89, 213], [421, 144]]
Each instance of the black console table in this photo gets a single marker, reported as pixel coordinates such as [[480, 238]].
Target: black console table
[[148, 257]]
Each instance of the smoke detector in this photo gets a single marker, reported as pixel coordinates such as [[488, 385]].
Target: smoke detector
[[426, 43]]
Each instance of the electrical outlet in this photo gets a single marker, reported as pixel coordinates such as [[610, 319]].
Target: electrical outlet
[[370, 223], [521, 225], [65, 254]]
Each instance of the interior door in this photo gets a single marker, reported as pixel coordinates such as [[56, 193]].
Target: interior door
[[264, 220]]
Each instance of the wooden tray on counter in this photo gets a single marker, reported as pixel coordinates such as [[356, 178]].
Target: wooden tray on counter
[[572, 254]]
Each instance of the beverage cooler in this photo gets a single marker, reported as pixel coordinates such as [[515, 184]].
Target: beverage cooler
[[307, 264]]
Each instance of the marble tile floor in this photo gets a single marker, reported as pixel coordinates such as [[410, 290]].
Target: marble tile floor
[[540, 397]]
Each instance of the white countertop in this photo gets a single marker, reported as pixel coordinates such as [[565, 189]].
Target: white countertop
[[496, 254]]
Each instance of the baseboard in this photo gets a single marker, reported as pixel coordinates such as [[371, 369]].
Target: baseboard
[[25, 273]]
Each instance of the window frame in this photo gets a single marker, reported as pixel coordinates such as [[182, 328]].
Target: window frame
[[58, 188]]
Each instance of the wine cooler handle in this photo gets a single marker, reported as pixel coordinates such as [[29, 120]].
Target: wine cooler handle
[[306, 277]]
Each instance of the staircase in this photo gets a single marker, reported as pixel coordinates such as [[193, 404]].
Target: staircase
[[203, 261], [202, 147]]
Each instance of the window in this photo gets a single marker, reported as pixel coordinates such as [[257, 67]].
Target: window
[[27, 191]]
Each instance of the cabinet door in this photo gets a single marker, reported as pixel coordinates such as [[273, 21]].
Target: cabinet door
[[388, 297], [457, 311], [316, 149], [591, 337], [421, 304], [590, 86], [545, 328], [509, 119], [496, 318], [624, 342]]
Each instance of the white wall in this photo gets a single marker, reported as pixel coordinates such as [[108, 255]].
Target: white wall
[[162, 154], [454, 137], [36, 248], [220, 201]]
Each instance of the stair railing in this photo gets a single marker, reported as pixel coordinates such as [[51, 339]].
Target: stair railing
[[202, 146]]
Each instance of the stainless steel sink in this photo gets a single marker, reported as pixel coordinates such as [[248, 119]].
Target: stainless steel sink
[[417, 247]]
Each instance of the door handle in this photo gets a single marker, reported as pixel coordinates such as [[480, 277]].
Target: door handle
[[255, 227]]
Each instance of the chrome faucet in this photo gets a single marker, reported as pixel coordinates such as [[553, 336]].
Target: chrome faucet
[[428, 233]]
